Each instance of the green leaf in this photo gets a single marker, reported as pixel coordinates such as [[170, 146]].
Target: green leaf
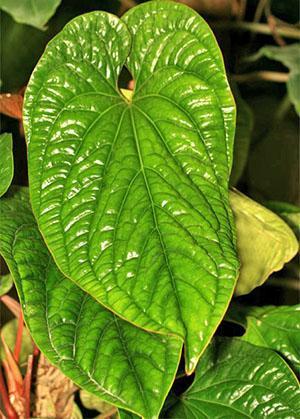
[[238, 380], [265, 242], [101, 353], [6, 164], [9, 332], [6, 284], [271, 327], [122, 414], [290, 57], [244, 127], [288, 212], [31, 12], [132, 197]]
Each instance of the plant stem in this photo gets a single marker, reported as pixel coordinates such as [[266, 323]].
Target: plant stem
[[11, 304], [18, 344], [27, 386], [10, 411], [275, 76], [262, 28]]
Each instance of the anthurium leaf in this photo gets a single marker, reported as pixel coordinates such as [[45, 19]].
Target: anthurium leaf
[[6, 164], [132, 197], [103, 354], [9, 333], [272, 327], [6, 284], [236, 379], [289, 56], [265, 242], [244, 127], [31, 12]]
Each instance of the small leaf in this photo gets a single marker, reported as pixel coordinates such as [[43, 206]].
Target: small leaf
[[132, 197], [9, 332], [265, 242], [290, 57], [271, 327], [31, 12], [238, 380], [244, 127], [6, 284], [6, 164], [103, 354]]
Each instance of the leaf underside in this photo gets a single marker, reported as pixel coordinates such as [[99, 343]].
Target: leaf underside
[[238, 380], [264, 241], [132, 198], [105, 355], [6, 164]]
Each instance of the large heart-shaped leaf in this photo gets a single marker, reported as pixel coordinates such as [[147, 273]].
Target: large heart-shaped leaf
[[265, 242], [132, 197], [272, 327], [238, 380], [6, 164], [105, 355]]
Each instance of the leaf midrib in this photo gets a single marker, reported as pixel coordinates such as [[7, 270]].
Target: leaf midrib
[[163, 247]]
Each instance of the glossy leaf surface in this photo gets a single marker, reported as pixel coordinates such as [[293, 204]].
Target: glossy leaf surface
[[6, 163], [111, 358], [31, 12], [132, 197], [273, 327], [238, 380], [265, 242]]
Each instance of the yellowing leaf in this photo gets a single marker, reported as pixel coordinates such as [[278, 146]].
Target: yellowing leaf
[[265, 242]]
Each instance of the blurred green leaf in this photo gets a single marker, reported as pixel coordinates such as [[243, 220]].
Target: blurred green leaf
[[30, 12], [265, 242], [271, 327], [6, 284], [18, 58], [290, 57], [6, 164], [236, 379], [9, 332], [244, 127]]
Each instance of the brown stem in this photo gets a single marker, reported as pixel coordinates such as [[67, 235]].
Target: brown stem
[[18, 344], [11, 304], [275, 76], [10, 411], [263, 28]]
